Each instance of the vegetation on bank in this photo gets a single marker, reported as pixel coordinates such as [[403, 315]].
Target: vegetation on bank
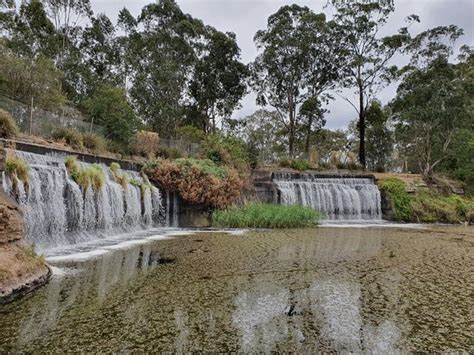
[[17, 169], [425, 205], [197, 181], [259, 215]]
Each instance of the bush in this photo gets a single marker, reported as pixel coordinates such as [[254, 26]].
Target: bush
[[71, 164], [8, 127], [145, 143], [258, 215], [94, 142], [200, 182], [395, 189], [228, 151], [69, 136]]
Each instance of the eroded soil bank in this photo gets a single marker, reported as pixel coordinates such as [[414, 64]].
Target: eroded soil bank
[[325, 289]]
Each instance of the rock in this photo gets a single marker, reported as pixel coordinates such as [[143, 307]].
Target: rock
[[470, 216], [11, 220]]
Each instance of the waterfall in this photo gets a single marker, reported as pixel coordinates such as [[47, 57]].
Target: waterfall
[[336, 197], [59, 212]]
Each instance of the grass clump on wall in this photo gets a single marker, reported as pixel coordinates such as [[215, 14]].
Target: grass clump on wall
[[197, 181], [258, 215], [17, 169], [92, 176], [119, 177]]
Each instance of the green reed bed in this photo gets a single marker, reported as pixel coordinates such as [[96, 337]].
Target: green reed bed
[[257, 215]]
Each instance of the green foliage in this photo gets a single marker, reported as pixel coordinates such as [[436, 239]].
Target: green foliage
[[256, 215], [69, 136], [205, 165], [379, 138], [425, 205], [8, 127], [190, 134], [395, 189], [226, 150], [297, 164], [168, 153], [108, 107], [114, 167], [94, 142]]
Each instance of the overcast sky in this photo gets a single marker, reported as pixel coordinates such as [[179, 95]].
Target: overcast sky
[[245, 17]]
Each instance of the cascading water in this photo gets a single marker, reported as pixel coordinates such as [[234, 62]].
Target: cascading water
[[337, 197], [59, 212]]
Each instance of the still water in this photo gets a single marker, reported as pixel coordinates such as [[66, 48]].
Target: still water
[[326, 289]]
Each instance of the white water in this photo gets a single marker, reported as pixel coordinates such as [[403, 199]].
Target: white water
[[59, 213], [338, 198]]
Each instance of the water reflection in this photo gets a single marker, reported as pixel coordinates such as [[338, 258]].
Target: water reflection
[[92, 282]]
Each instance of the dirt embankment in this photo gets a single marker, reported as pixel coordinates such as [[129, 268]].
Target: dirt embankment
[[21, 270]]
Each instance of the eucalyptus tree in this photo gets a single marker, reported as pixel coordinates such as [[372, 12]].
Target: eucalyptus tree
[[434, 99], [218, 81], [367, 53], [299, 59], [312, 116]]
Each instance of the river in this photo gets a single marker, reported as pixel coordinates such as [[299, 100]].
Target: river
[[325, 289]]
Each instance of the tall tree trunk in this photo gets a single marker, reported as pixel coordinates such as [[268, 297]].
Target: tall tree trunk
[[361, 129], [291, 133], [308, 135]]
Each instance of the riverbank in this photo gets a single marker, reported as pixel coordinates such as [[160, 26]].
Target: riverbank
[[21, 270]]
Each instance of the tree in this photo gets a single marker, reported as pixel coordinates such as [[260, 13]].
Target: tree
[[431, 105], [367, 54], [312, 115], [162, 57], [24, 79], [279, 71], [218, 82], [108, 107], [379, 137], [264, 133]]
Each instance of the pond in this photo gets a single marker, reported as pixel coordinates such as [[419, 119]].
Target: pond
[[326, 289]]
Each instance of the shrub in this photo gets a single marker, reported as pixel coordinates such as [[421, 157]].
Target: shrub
[[8, 127], [301, 165], [199, 182], [145, 143], [395, 189], [256, 215], [229, 151], [296, 164], [69, 136], [94, 142]]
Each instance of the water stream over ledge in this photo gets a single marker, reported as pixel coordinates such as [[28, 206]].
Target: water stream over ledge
[[327, 289]]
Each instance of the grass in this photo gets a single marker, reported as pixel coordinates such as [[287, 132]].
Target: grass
[[425, 205], [16, 167], [258, 215], [120, 178], [8, 127], [94, 142], [296, 164], [69, 136], [92, 176]]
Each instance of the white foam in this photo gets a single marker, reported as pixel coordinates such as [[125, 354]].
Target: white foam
[[373, 225], [78, 256]]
